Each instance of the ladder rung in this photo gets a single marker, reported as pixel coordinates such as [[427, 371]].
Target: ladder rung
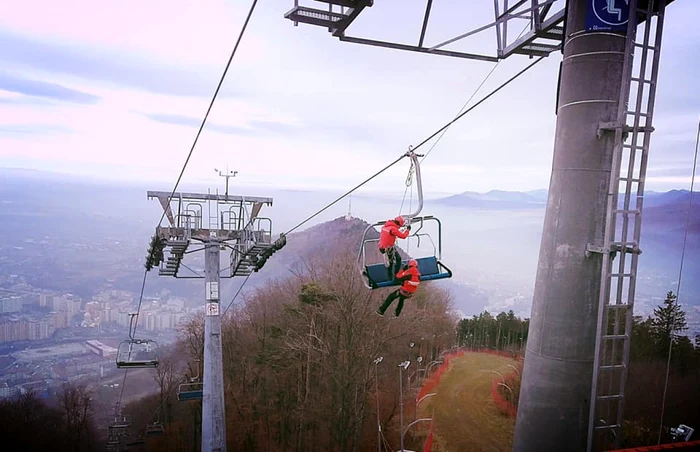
[[639, 113], [628, 211], [626, 179], [611, 397], [617, 306], [642, 46], [642, 80], [615, 336], [620, 275], [604, 427], [613, 367]]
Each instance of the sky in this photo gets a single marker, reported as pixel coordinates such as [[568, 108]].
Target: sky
[[116, 91]]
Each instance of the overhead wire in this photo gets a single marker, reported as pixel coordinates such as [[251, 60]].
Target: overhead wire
[[483, 82], [213, 99], [462, 109], [189, 156], [680, 275], [126, 371], [236, 295], [309, 218], [448, 127], [483, 99]]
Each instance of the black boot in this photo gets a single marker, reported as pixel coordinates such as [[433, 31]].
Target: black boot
[[390, 299]]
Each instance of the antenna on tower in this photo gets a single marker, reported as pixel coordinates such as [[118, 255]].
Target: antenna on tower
[[348, 217], [228, 174]]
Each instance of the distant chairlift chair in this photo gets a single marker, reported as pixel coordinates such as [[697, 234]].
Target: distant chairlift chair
[[137, 352], [155, 429], [192, 390]]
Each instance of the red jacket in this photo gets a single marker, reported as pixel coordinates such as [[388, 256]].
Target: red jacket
[[388, 234], [410, 284]]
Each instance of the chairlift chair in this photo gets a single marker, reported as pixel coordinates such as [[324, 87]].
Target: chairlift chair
[[155, 429], [137, 353], [193, 389], [190, 391], [120, 422], [375, 275]]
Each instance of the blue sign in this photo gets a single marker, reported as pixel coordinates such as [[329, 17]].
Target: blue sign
[[607, 15]]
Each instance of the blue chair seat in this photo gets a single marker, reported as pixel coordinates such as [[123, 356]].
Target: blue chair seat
[[429, 267], [189, 395]]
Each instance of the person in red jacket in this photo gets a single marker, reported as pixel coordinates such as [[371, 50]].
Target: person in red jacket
[[387, 243], [410, 275]]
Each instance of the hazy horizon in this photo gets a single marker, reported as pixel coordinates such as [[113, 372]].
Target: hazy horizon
[[236, 183], [491, 249]]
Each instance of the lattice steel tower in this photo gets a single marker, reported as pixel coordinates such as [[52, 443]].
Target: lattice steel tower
[[233, 222]]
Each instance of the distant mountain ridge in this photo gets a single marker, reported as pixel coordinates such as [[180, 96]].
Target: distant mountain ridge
[[502, 199]]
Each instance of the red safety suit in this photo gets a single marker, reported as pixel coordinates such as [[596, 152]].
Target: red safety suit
[[411, 280], [388, 234]]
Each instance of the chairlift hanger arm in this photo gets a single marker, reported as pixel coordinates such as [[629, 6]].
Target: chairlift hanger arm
[[416, 164]]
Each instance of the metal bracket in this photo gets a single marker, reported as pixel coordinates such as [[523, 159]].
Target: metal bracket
[[627, 249], [612, 251], [590, 249], [613, 126]]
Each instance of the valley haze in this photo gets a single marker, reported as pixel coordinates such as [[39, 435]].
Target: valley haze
[[489, 240]]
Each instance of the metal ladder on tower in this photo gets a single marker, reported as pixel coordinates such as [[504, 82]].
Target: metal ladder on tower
[[624, 214]]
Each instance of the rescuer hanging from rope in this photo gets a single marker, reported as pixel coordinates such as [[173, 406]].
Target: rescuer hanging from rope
[[410, 276], [387, 244]]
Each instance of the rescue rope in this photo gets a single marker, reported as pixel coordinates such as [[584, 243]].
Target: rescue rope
[[471, 97], [457, 118], [483, 99], [680, 274]]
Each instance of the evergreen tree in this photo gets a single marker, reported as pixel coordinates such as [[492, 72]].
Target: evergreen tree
[[642, 345], [668, 319]]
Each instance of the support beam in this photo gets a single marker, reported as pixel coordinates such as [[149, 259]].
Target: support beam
[[209, 197], [165, 204], [557, 376], [425, 22], [393, 45]]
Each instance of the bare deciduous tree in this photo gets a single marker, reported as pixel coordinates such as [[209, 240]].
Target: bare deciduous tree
[[75, 403]]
